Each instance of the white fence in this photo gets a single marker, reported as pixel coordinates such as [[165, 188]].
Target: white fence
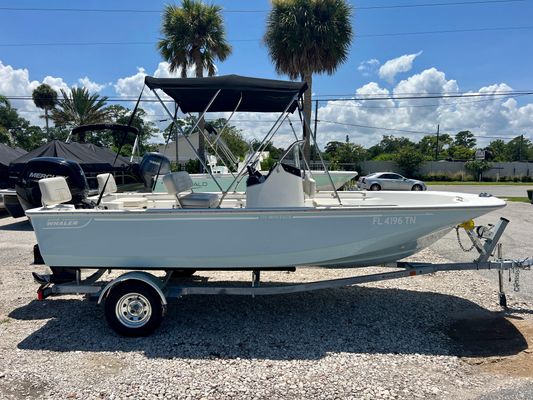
[[499, 169]]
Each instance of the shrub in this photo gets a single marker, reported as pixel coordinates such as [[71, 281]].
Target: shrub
[[478, 167], [409, 160]]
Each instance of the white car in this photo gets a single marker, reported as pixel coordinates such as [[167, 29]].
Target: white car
[[389, 181]]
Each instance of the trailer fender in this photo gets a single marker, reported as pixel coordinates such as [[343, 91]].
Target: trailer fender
[[143, 277]]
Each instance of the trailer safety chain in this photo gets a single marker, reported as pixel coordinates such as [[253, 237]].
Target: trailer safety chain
[[516, 283], [517, 266], [460, 243]]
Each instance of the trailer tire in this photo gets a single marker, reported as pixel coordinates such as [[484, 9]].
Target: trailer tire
[[133, 308]]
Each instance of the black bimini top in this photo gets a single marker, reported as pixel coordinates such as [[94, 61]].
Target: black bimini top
[[258, 95], [101, 127]]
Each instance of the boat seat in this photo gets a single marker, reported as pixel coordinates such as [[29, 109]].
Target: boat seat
[[54, 191], [179, 182], [111, 186]]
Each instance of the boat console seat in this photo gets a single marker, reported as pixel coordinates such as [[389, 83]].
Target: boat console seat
[[179, 182], [54, 191], [110, 187]]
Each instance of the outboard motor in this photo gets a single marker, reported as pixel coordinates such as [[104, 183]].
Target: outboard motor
[[153, 164], [36, 169]]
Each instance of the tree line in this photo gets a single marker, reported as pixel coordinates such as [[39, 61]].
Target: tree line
[[79, 107], [409, 154]]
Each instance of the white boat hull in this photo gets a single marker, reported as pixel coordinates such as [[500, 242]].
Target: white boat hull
[[366, 230]]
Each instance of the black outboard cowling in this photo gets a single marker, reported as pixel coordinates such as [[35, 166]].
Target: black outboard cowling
[[39, 168], [151, 165]]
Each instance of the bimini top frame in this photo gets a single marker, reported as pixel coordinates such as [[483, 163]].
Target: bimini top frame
[[233, 93]]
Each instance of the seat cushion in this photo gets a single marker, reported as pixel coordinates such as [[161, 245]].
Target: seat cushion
[[177, 182], [54, 191], [107, 182], [199, 200]]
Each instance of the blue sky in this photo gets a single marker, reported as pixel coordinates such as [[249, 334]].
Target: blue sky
[[463, 61]]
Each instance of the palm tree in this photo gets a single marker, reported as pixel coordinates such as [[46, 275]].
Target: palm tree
[[79, 108], [193, 36], [45, 98], [305, 37]]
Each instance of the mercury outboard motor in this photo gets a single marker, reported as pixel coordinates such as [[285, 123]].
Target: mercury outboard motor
[[36, 169], [151, 165]]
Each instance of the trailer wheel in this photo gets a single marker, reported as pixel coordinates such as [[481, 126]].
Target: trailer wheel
[[133, 309]]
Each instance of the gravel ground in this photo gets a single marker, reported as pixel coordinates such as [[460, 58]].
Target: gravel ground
[[437, 336]]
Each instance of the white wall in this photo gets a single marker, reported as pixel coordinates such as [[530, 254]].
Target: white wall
[[500, 169]]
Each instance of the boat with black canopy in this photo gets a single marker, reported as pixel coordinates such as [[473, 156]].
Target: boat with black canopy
[[267, 224]]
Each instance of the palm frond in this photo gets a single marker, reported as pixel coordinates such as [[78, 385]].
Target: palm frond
[[193, 35]]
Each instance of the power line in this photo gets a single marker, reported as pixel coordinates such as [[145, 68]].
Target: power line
[[372, 127], [501, 92], [468, 30], [409, 131], [455, 3], [373, 35], [335, 104], [440, 96], [405, 96], [139, 43], [239, 11]]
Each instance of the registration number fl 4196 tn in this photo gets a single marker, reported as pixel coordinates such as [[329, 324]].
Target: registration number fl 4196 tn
[[400, 220]]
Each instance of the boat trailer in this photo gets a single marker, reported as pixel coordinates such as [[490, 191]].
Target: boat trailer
[[136, 301]]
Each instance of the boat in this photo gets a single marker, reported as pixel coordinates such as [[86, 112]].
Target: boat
[[49, 160], [7, 155], [280, 221], [204, 182]]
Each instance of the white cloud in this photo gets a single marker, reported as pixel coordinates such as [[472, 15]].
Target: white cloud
[[495, 116], [391, 68], [91, 86], [57, 84], [368, 67], [16, 82], [130, 86]]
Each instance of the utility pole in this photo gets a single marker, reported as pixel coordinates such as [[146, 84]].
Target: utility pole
[[437, 146], [314, 133], [520, 149]]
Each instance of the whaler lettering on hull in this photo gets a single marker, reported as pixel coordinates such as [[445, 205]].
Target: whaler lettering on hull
[[62, 222]]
